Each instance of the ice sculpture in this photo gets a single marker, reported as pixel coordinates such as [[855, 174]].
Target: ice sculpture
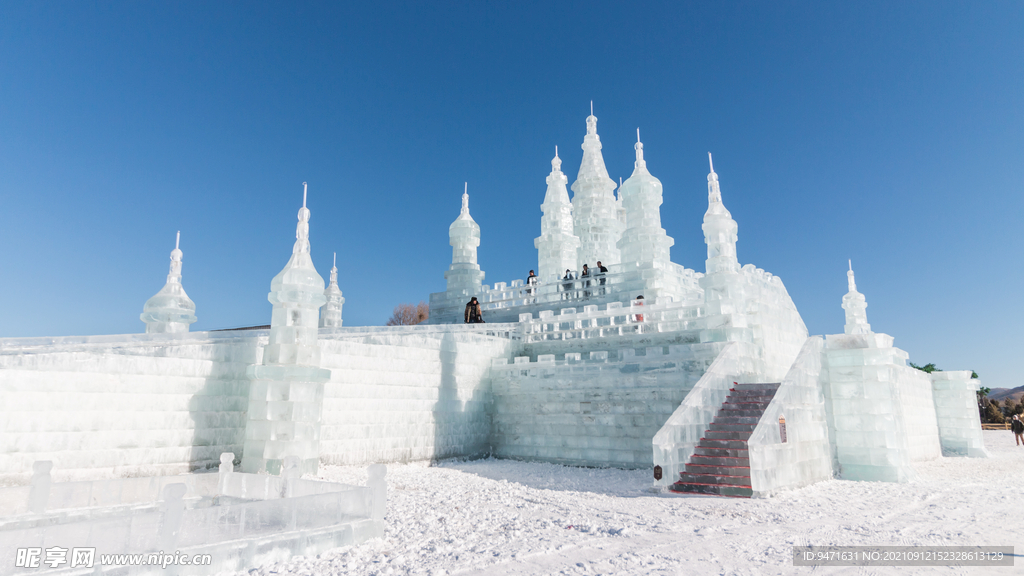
[[719, 229], [170, 310], [856, 307], [557, 245], [287, 390], [330, 314], [464, 275], [644, 240], [595, 212]]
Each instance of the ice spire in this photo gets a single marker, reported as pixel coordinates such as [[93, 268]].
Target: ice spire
[[286, 393], [644, 241], [856, 307], [330, 313], [297, 293], [720, 230], [595, 213], [170, 310], [464, 275], [557, 245]]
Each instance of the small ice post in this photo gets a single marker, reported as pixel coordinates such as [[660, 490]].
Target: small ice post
[[40, 492], [379, 487], [330, 313], [856, 307], [170, 310], [172, 509]]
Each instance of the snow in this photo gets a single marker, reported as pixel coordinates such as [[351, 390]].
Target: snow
[[503, 517]]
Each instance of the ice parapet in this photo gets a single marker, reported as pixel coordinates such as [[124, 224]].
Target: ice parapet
[[170, 310]]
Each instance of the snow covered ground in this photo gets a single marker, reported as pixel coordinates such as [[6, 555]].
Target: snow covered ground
[[500, 517]]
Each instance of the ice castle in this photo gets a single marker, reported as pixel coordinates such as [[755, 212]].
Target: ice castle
[[711, 380]]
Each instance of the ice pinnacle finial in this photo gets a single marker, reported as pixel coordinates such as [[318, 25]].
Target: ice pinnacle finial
[[465, 199], [638, 135], [711, 163], [639, 147], [556, 162], [335, 260], [850, 262], [849, 278], [591, 107], [304, 189], [177, 241]]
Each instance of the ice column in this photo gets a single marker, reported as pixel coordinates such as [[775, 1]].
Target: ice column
[[170, 310], [464, 275], [557, 245], [856, 308], [644, 240], [286, 392], [330, 314], [719, 229], [595, 213]]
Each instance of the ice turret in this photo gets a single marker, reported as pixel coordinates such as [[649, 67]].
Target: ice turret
[[330, 314], [719, 229], [464, 236], [644, 240], [856, 308], [287, 390], [595, 213], [170, 310], [557, 245]]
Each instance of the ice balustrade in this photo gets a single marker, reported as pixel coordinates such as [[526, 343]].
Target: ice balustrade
[[674, 444], [804, 456], [506, 330], [640, 317], [240, 519], [653, 358], [508, 295]]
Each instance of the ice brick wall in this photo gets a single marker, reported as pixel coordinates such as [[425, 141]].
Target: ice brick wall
[[956, 409], [129, 405], [918, 404], [404, 394], [805, 457], [866, 412], [592, 409], [674, 442]]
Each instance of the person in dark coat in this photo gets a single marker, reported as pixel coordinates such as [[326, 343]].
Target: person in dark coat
[[474, 314], [1017, 426], [585, 273]]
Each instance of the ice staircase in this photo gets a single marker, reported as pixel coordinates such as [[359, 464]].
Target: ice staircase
[[719, 464]]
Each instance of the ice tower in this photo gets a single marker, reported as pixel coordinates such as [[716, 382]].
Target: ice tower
[[464, 275], [644, 241], [170, 310], [595, 212], [287, 390], [719, 229], [330, 314], [557, 245], [856, 307]]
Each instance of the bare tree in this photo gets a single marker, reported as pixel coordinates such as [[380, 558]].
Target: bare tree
[[409, 314]]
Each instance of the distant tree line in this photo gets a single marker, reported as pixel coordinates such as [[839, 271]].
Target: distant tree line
[[409, 314]]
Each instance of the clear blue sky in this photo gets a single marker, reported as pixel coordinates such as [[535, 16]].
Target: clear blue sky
[[891, 133]]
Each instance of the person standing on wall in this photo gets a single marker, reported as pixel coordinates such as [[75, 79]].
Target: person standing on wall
[[474, 315], [567, 282], [1017, 426], [585, 273], [601, 271], [531, 282]]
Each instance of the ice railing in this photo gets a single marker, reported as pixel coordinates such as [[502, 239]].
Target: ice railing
[[619, 278], [507, 330], [197, 512], [654, 358], [640, 317]]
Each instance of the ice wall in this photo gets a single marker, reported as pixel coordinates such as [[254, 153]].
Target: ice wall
[[805, 457], [868, 425], [129, 405], [674, 442], [918, 405], [956, 409], [402, 395], [592, 409]]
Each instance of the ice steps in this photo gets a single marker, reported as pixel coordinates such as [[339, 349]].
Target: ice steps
[[720, 463]]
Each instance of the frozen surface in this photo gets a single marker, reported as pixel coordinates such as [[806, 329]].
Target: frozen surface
[[513, 518]]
